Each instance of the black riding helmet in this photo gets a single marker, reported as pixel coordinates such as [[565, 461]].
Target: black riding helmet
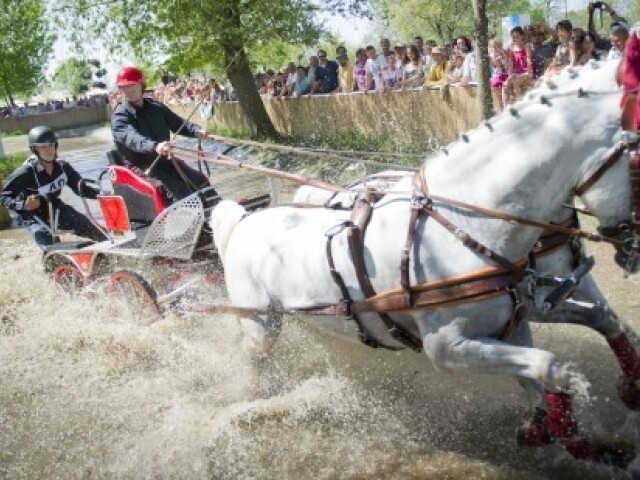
[[41, 136]]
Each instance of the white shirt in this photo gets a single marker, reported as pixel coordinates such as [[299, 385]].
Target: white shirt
[[374, 68], [469, 67], [614, 54]]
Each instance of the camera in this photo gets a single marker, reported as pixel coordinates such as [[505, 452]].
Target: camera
[[598, 5]]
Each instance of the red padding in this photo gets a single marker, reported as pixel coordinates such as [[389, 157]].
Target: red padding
[[115, 214], [124, 176]]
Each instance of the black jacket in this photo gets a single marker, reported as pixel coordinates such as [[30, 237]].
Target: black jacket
[[30, 178], [137, 131]]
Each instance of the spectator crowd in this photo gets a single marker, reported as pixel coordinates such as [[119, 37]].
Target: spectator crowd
[[72, 103], [533, 53]]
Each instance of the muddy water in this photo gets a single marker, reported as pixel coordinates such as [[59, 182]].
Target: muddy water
[[86, 392]]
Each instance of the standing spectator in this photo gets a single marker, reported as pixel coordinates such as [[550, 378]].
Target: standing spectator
[[412, 73], [360, 71], [385, 50], [618, 38], [303, 83], [499, 72], [542, 50], [519, 67], [345, 74], [389, 74], [374, 70], [326, 74], [454, 69], [463, 46], [437, 73], [291, 79], [418, 41], [561, 58], [616, 20]]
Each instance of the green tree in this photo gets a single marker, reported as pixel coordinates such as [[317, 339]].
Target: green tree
[[74, 76], [220, 35], [25, 43], [442, 19]]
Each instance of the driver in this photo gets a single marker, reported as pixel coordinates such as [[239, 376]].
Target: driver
[[141, 129], [40, 180]]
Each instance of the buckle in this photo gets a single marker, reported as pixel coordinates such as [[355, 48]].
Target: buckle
[[629, 137]]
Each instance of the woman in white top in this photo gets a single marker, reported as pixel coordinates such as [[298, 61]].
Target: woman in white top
[[412, 74]]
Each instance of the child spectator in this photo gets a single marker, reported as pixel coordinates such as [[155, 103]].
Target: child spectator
[[302, 85], [389, 74], [519, 67], [499, 73], [454, 69], [374, 70], [360, 71]]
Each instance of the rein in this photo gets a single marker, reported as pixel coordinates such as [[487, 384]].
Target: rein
[[221, 159]]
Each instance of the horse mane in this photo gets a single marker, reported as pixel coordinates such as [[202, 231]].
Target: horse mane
[[577, 82]]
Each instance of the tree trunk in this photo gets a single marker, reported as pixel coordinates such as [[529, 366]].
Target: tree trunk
[[241, 78], [480, 34]]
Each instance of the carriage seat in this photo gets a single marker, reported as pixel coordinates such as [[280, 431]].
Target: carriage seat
[[143, 199]]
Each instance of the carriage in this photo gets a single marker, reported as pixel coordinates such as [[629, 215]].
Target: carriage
[[155, 254]]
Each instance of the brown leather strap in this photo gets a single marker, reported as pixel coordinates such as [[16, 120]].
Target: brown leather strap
[[360, 217], [608, 163], [457, 290], [551, 241]]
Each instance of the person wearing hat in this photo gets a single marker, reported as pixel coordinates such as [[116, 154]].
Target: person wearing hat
[[33, 191], [438, 72], [345, 74], [141, 129]]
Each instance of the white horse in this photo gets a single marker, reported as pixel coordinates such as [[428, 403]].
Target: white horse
[[276, 258], [587, 305]]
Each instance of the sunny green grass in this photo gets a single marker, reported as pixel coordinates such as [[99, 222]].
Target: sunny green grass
[[10, 162]]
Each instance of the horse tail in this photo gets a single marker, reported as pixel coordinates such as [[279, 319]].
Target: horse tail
[[224, 218]]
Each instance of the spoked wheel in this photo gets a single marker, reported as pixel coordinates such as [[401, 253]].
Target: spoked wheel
[[141, 298], [68, 277]]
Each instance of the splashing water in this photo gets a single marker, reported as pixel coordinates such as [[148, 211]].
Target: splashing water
[[87, 391]]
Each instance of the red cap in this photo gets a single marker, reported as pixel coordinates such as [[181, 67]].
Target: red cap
[[129, 76]]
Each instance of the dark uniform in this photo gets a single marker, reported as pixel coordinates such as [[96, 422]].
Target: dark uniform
[[137, 131], [32, 179]]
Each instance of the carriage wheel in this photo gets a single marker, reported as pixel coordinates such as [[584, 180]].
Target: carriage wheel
[[132, 288], [68, 277]]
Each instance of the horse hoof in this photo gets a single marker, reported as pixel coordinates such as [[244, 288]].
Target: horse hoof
[[629, 393], [534, 433]]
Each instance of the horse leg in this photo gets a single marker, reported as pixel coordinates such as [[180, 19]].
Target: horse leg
[[589, 308], [448, 347], [260, 332], [534, 432]]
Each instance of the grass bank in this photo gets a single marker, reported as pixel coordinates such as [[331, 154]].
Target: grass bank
[[10, 162]]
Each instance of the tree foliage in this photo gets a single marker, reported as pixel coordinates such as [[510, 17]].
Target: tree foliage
[[443, 19], [74, 76], [222, 35], [25, 43]]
